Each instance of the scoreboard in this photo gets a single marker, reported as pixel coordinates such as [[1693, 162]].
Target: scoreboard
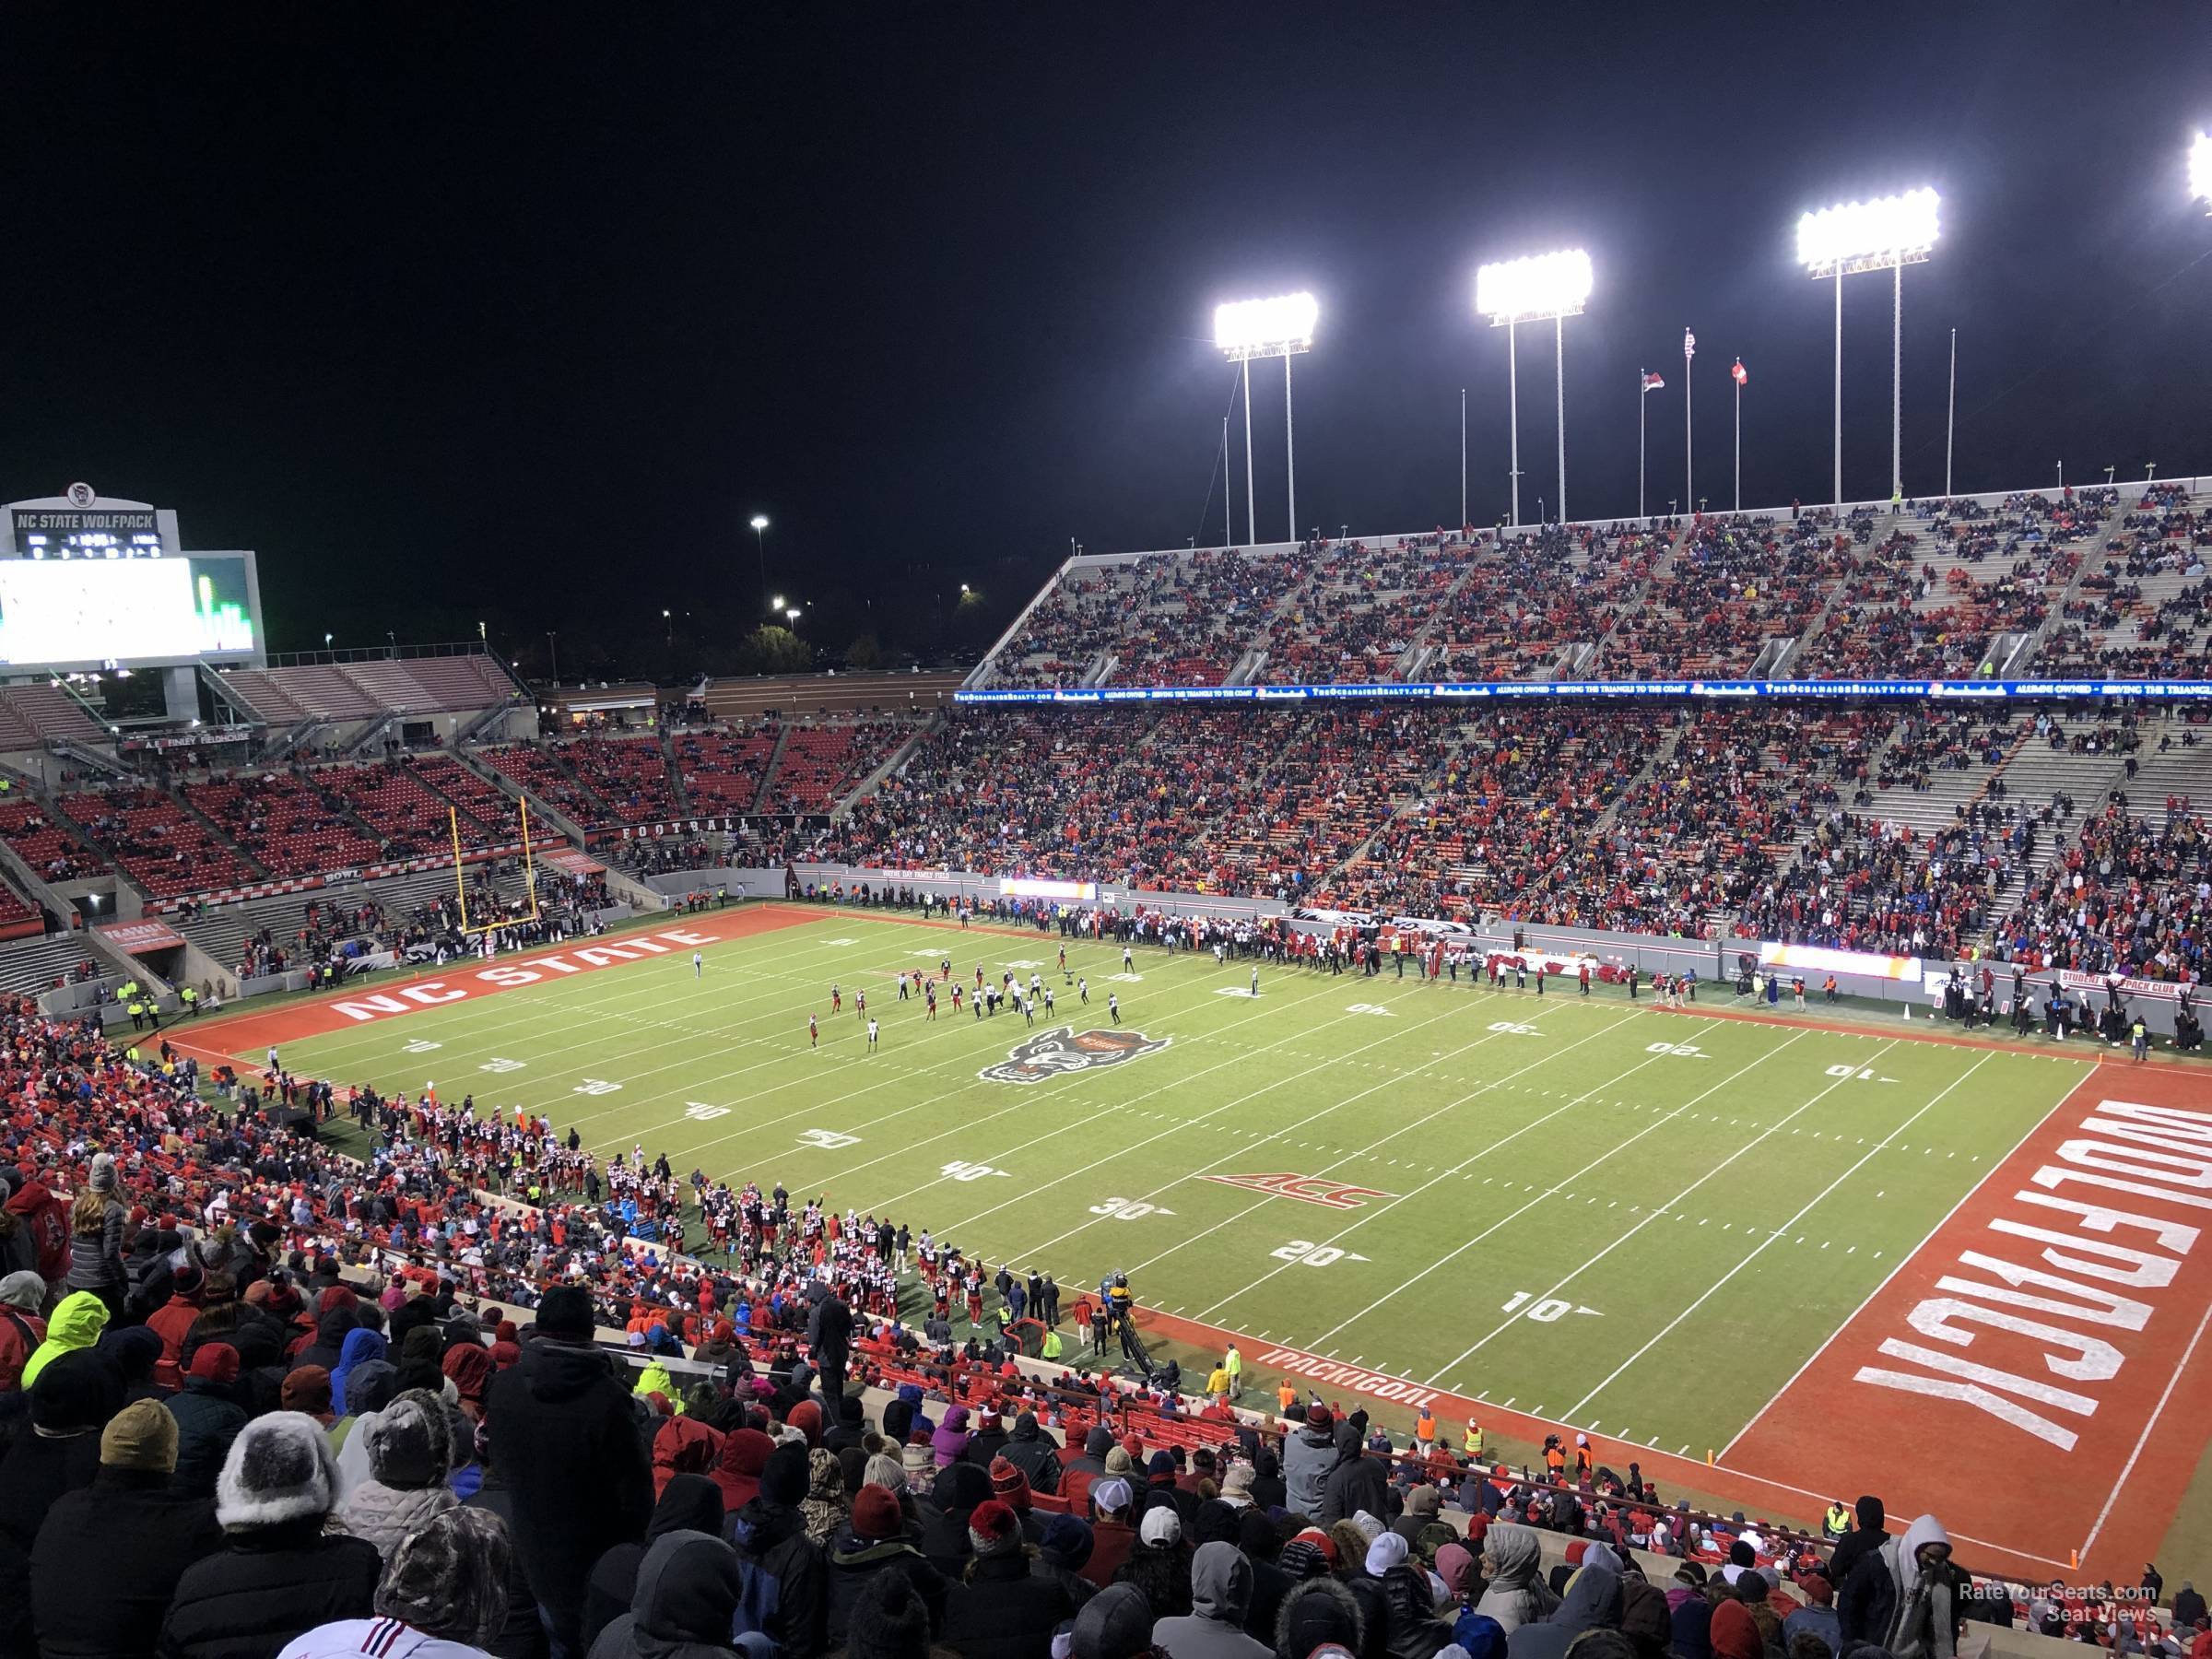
[[88, 583]]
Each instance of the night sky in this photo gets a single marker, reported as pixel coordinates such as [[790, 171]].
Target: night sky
[[461, 312]]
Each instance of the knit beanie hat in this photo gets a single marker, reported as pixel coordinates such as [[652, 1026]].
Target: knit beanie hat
[[102, 1176], [783, 1478], [306, 1389], [1066, 1542], [279, 1468], [1316, 1618], [142, 1435], [216, 1362], [888, 1619], [876, 1516], [1009, 1483], [807, 1417], [408, 1443], [1116, 1623], [993, 1529], [920, 1464], [1160, 1462], [566, 1313], [448, 1578], [1118, 1463], [886, 1471]]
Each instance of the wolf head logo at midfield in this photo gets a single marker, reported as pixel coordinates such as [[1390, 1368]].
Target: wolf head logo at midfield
[[1051, 1054]]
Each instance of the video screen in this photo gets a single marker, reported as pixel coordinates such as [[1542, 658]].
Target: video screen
[[97, 610]]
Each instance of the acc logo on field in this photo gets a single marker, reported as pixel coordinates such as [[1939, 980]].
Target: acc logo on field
[[1307, 1189], [1050, 1053]]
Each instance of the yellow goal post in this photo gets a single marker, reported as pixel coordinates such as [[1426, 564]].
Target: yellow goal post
[[460, 873]]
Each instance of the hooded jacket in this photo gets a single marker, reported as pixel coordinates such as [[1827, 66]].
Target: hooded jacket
[[1307, 1456], [770, 1537], [689, 1587], [1357, 1482], [409, 1452], [356, 1348], [209, 1419], [689, 1503], [1862, 1540], [332, 1327], [952, 1437], [1895, 1603], [1221, 1583], [561, 1430], [1034, 1454], [77, 1323], [684, 1446], [1516, 1596]]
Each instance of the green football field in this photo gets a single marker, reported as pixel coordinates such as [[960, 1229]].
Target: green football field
[[1586, 1209]]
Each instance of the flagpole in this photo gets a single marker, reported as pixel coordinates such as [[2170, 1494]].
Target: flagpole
[[1950, 416], [1690, 494], [1558, 325], [1462, 457], [1739, 443], [1512, 409], [1644, 394]]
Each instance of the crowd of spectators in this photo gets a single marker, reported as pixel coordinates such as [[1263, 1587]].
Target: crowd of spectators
[[334, 1406], [2130, 892], [291, 824]]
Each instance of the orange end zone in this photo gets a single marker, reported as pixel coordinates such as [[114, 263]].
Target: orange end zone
[[2033, 1363]]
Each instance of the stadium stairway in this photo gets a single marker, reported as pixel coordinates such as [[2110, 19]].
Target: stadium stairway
[[34, 965], [775, 759], [892, 763], [2092, 562], [2183, 770], [674, 772]]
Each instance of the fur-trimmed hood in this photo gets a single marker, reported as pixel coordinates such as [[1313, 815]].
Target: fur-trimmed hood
[[279, 1468]]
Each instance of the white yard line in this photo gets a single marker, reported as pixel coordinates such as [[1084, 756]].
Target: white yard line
[[1023, 1098], [1759, 1249], [1507, 1219], [2143, 1440], [1246, 1150], [1903, 1258], [1576, 1273], [1384, 1209]]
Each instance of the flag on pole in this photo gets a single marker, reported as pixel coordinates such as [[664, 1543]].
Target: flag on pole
[[1742, 379], [1651, 382], [1689, 345]]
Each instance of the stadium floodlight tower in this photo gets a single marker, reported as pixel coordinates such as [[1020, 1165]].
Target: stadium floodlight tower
[[2200, 170], [1886, 234], [1281, 327], [1553, 286]]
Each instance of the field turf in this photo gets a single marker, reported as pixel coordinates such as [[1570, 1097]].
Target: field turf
[[1633, 1220]]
